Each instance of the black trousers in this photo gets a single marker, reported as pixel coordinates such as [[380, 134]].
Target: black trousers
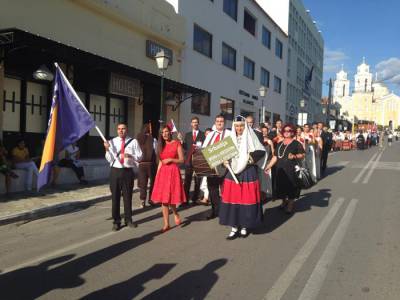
[[213, 184], [188, 182], [121, 180], [324, 158], [147, 171], [68, 163]]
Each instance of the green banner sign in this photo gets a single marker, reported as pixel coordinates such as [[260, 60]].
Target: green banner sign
[[217, 153]]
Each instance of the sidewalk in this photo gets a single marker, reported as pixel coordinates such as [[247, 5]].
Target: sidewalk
[[52, 201]]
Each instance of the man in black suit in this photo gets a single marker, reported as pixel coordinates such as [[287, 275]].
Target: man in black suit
[[193, 139], [327, 141], [250, 122]]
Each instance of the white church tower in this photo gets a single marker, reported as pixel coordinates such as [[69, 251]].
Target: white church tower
[[341, 87], [363, 79]]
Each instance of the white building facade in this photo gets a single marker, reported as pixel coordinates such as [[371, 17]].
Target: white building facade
[[305, 57], [233, 47]]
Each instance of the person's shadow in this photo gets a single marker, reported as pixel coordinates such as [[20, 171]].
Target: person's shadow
[[132, 287], [35, 281], [192, 285], [274, 217]]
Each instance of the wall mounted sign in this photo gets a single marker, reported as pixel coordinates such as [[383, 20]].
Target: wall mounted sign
[[124, 86], [248, 102]]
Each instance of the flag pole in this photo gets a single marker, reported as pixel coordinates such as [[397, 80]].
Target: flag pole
[[79, 100]]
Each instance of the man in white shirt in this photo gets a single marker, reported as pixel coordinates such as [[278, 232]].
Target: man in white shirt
[[214, 183], [123, 153]]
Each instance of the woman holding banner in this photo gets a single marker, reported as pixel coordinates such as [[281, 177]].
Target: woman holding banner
[[168, 187], [240, 207]]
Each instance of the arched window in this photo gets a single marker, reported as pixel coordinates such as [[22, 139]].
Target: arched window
[[344, 89], [365, 86]]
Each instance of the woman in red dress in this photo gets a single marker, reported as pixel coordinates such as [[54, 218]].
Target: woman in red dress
[[168, 188]]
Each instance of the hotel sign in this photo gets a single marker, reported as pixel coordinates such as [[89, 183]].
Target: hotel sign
[[152, 48], [124, 86]]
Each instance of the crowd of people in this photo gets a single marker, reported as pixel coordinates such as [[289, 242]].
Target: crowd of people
[[19, 158], [265, 167]]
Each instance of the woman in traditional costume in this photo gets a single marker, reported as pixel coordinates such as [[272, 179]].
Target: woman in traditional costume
[[240, 205], [289, 153]]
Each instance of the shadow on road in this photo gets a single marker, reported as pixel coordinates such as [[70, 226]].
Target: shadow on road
[[331, 170], [275, 217], [34, 281], [132, 287], [195, 284]]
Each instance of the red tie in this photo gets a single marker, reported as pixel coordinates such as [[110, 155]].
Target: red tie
[[217, 138], [194, 136], [122, 151]]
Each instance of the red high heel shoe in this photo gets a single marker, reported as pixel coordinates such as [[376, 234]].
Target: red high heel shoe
[[178, 221], [165, 229]]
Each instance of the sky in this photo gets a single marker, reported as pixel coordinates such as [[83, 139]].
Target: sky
[[359, 28]]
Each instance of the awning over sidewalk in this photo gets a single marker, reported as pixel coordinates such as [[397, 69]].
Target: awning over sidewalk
[[17, 42]]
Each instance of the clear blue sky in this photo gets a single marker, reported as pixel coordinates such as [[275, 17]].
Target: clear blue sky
[[357, 28]]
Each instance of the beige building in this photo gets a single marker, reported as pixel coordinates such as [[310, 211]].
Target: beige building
[[370, 101], [106, 49]]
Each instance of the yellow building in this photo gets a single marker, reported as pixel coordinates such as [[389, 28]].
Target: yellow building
[[106, 49], [370, 101]]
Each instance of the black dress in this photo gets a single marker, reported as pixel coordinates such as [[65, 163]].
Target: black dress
[[286, 186]]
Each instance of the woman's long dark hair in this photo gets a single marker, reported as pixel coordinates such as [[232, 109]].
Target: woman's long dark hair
[[161, 141], [141, 137]]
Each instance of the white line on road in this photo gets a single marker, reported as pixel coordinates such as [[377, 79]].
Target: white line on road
[[357, 179], [317, 278], [56, 253], [366, 179], [279, 288]]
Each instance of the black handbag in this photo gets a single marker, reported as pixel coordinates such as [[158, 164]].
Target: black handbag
[[303, 177]]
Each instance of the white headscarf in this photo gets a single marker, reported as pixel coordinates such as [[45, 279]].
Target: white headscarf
[[246, 143]]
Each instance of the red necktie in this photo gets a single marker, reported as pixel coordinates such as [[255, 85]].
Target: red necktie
[[194, 136], [217, 138], [122, 151]]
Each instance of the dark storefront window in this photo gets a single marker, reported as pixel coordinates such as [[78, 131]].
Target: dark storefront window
[[201, 104], [227, 107]]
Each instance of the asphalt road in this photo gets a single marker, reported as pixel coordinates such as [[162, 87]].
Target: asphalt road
[[342, 243]]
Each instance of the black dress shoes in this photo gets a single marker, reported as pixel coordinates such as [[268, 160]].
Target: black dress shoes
[[130, 224], [116, 227], [211, 216]]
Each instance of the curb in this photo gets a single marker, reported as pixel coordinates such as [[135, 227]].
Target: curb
[[53, 210]]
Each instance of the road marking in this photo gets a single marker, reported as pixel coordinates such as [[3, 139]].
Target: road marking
[[357, 179], [55, 253], [317, 278], [279, 288], [366, 179]]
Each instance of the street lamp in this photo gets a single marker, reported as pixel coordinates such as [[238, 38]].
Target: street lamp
[[263, 92], [43, 73], [302, 104], [302, 120], [162, 64]]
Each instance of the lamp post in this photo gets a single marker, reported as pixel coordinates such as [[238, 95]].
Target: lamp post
[[162, 64], [329, 101], [262, 91], [302, 104]]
